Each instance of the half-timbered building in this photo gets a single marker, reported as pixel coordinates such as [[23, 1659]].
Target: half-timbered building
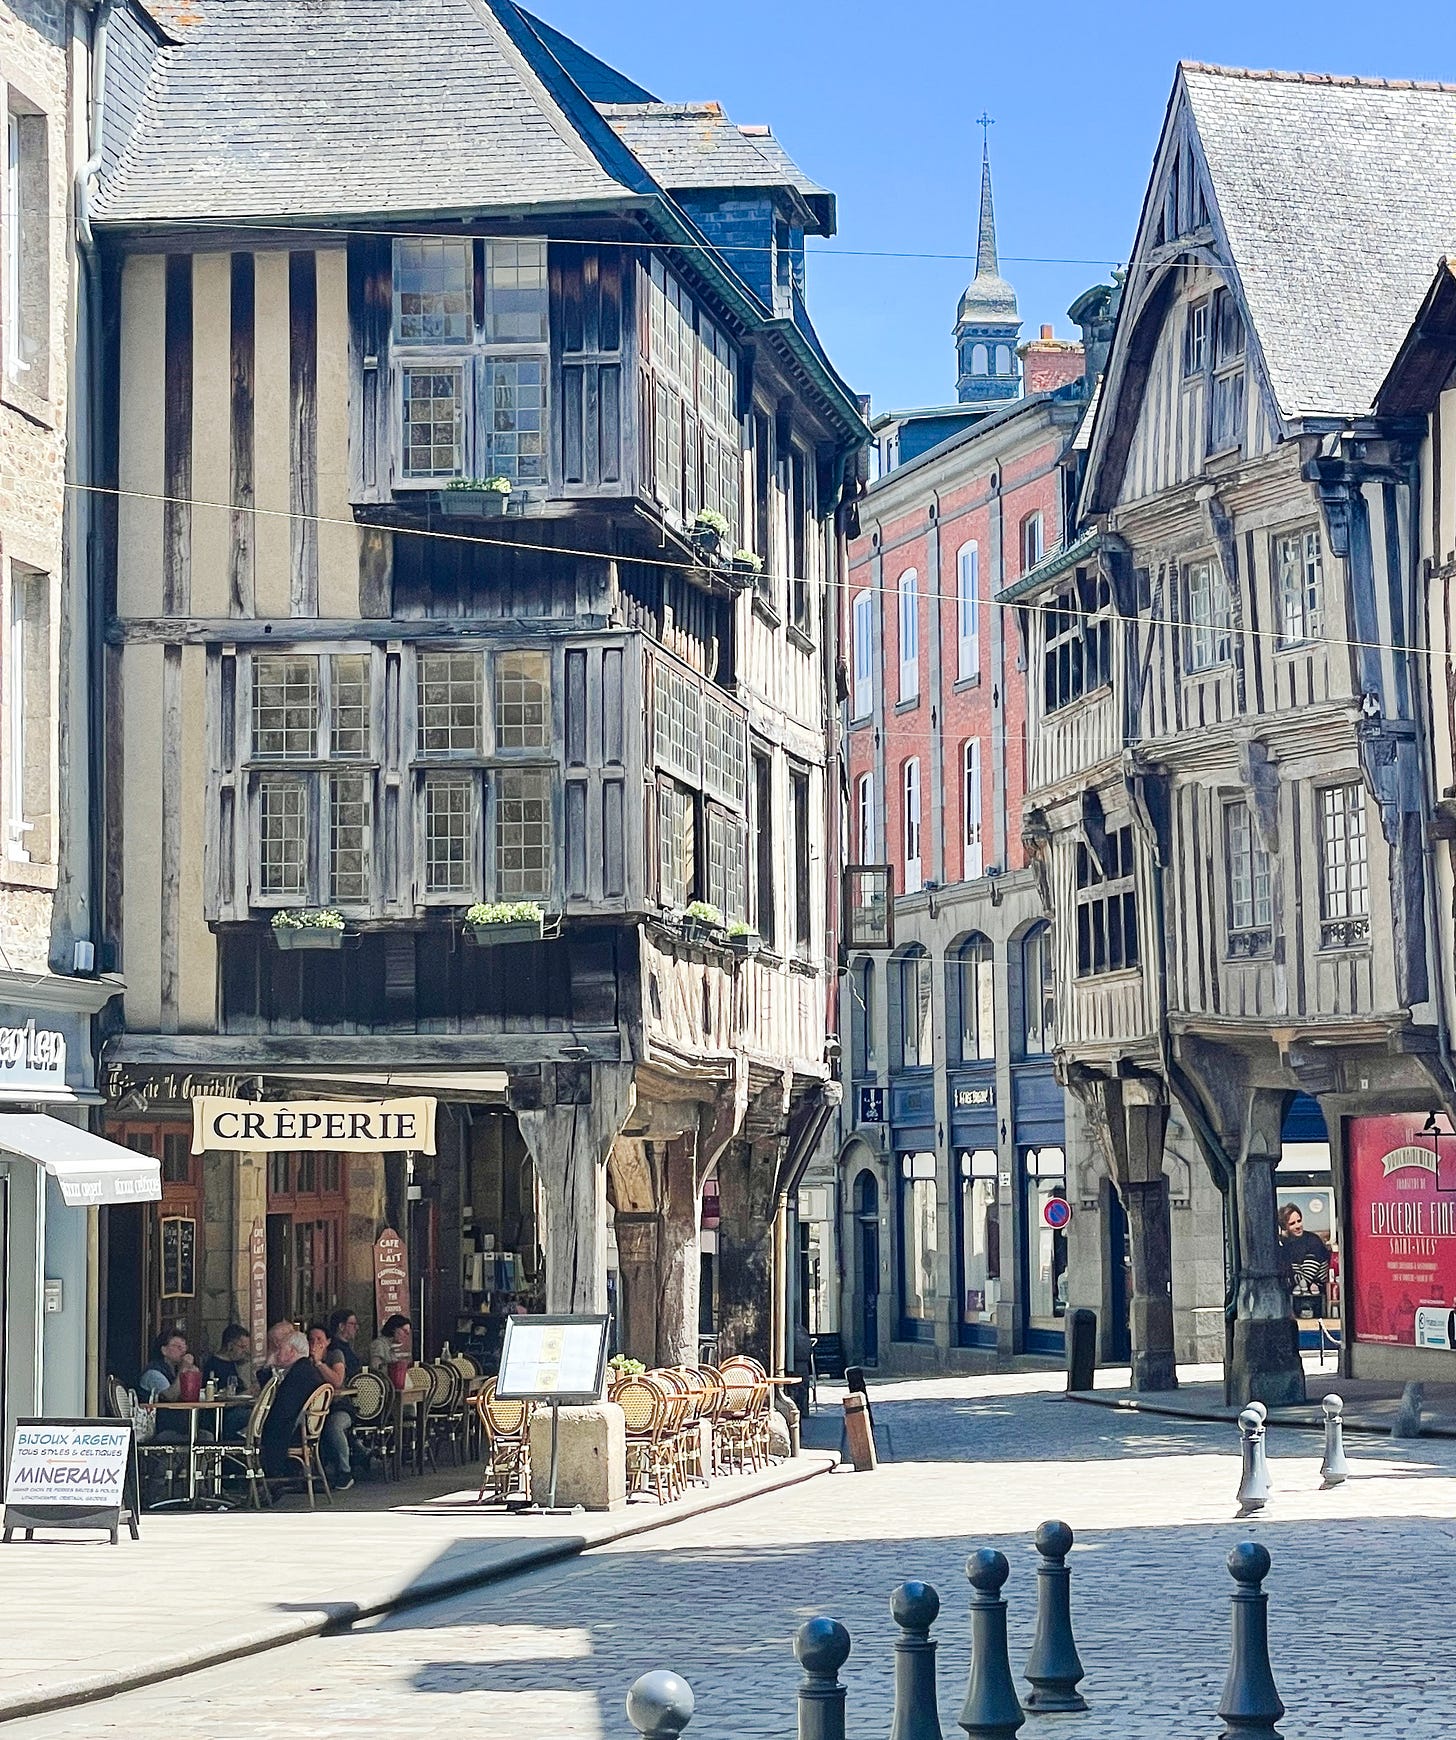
[[477, 481], [1244, 884]]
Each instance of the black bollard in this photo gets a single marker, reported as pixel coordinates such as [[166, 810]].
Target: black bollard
[[660, 1705], [992, 1710], [1334, 1470], [1053, 1667], [1081, 1349], [914, 1607], [1254, 1481], [1250, 1705], [822, 1646]]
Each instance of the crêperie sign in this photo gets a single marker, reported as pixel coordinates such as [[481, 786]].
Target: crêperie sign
[[337, 1126]]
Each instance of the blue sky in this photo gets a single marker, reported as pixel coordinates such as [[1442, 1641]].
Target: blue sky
[[879, 103]]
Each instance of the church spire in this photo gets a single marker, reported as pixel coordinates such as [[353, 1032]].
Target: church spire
[[987, 321], [986, 243]]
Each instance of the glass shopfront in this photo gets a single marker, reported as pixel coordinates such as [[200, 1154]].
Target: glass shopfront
[[980, 1247], [1045, 1174], [919, 1252]]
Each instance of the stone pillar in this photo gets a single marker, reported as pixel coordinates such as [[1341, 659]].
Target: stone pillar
[[637, 1277], [569, 1118], [1130, 1115], [681, 1200], [1266, 1366]]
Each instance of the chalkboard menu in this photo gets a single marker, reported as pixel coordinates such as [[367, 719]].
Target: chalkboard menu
[[179, 1257]]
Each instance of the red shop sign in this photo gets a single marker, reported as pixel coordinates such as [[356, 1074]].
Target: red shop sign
[[391, 1276], [1403, 1232]]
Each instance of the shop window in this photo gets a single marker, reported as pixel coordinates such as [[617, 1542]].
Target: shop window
[[919, 1247], [1046, 1295], [1107, 931], [976, 989], [1038, 993], [980, 1220], [1344, 866], [917, 1031]]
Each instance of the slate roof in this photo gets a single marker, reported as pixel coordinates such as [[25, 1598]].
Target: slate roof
[[695, 146], [1338, 196], [347, 108], [599, 83]]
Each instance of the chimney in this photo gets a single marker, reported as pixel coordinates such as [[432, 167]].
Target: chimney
[[1046, 332], [1048, 363]]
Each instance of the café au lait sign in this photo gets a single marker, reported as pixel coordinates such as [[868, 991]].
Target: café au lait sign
[[338, 1126]]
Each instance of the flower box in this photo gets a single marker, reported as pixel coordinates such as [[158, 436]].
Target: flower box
[[706, 541], [473, 504], [745, 942], [307, 936], [489, 936]]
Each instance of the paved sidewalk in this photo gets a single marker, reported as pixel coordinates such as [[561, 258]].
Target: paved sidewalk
[[1359, 1596], [82, 1619]]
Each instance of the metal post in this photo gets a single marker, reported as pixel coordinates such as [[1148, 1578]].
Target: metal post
[[555, 1447], [914, 1607], [660, 1705], [822, 1646], [1054, 1667], [1250, 1705], [1408, 1414], [1254, 1483], [1334, 1470], [992, 1711]]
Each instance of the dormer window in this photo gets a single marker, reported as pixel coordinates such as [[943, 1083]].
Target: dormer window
[[470, 357], [1214, 348]]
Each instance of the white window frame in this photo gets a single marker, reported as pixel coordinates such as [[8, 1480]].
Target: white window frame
[[865, 819], [972, 831], [908, 592], [910, 824], [30, 738], [472, 357], [1033, 540], [1298, 575], [1250, 893], [862, 613], [1209, 605], [11, 262], [968, 611], [1344, 865]]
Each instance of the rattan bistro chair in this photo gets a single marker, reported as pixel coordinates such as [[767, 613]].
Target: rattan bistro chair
[[506, 1432], [373, 1429], [305, 1452], [651, 1451], [163, 1457], [247, 1457], [745, 1414]]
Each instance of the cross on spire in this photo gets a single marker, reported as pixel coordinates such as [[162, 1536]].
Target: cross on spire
[[985, 122]]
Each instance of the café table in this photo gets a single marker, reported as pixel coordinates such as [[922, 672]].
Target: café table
[[216, 1406]]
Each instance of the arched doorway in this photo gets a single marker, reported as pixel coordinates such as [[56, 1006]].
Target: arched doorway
[[867, 1254]]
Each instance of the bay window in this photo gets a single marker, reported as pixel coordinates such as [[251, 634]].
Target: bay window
[[697, 443], [470, 353]]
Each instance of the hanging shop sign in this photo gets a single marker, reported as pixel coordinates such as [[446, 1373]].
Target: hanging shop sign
[[32, 1057], [71, 1474], [1403, 1233], [333, 1126], [391, 1276], [871, 1105]]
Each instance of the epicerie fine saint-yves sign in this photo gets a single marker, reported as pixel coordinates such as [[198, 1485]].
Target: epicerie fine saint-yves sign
[[32, 1056], [335, 1126]]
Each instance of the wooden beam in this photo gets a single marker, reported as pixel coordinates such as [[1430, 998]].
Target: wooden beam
[[379, 1052], [198, 630]]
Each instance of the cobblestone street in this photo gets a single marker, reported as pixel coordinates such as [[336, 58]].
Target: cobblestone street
[[1359, 1594]]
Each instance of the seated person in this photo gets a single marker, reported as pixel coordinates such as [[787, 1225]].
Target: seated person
[[343, 1327], [159, 1382], [335, 1447], [394, 1342], [277, 1335], [227, 1368], [300, 1378]]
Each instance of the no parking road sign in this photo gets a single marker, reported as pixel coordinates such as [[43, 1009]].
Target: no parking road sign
[[1055, 1213]]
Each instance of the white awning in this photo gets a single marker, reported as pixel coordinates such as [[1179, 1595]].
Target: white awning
[[89, 1169]]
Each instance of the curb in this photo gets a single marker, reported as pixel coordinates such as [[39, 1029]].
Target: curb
[[1353, 1422], [335, 1616]]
